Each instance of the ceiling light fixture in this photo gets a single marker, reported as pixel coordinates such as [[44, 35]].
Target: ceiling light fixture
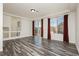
[[32, 10]]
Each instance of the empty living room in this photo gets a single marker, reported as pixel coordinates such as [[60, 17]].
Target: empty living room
[[40, 29]]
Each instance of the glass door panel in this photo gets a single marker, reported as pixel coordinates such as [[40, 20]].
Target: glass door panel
[[56, 25], [37, 28]]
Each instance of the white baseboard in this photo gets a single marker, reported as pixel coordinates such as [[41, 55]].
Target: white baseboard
[[15, 38]]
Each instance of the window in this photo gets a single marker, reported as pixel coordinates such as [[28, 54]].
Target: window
[[57, 24], [37, 28], [60, 24], [11, 27], [54, 25]]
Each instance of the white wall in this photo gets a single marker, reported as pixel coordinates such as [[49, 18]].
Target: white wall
[[1, 24], [71, 25], [26, 25], [77, 29], [45, 25]]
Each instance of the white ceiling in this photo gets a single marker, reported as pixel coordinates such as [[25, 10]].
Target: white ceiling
[[23, 9]]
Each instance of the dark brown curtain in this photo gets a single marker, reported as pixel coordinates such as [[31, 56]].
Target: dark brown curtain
[[32, 28], [66, 36], [49, 34], [41, 27]]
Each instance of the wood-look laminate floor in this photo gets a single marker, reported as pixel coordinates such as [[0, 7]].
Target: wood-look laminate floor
[[37, 47]]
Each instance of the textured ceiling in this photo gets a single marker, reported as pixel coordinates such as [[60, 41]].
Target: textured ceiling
[[23, 9]]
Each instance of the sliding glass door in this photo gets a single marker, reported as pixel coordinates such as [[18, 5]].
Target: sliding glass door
[[37, 28], [56, 25]]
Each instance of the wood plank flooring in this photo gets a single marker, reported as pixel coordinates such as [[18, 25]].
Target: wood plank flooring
[[37, 47]]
